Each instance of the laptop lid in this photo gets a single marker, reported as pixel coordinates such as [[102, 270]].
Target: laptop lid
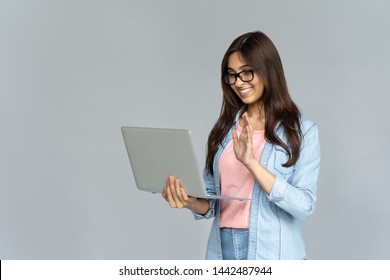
[[156, 153]]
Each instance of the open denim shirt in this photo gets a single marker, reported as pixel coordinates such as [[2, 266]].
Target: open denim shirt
[[274, 227]]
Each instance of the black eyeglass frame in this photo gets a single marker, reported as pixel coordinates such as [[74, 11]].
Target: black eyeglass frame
[[227, 75]]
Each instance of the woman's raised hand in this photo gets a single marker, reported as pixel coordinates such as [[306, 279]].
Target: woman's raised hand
[[243, 145]]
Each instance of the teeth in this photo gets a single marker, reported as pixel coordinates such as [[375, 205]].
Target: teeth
[[246, 90]]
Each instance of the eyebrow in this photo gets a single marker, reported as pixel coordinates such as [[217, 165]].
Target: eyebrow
[[241, 67]]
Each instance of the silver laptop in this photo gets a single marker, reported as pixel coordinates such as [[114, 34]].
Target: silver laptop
[[156, 153]]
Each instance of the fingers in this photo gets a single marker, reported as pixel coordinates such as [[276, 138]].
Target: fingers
[[164, 194], [247, 124], [174, 193], [243, 144], [170, 199], [184, 195], [247, 133], [178, 188], [235, 136]]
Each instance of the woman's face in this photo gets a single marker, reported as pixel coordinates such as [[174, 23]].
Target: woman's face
[[251, 91]]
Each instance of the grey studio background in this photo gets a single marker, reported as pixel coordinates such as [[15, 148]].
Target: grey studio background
[[73, 72]]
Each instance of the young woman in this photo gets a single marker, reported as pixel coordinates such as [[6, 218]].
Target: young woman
[[261, 147]]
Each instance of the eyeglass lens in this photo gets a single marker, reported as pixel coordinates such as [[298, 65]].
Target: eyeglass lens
[[245, 76]]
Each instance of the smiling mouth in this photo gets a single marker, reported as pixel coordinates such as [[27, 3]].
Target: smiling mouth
[[245, 92]]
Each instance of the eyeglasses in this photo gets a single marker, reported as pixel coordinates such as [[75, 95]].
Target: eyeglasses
[[245, 76]]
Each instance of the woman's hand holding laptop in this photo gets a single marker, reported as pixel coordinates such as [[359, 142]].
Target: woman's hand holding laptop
[[176, 196]]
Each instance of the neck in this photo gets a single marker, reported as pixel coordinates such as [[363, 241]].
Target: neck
[[256, 111], [256, 114]]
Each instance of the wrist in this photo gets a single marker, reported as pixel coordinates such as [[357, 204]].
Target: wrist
[[198, 206], [252, 164]]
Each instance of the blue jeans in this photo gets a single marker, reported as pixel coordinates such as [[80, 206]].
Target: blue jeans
[[234, 243]]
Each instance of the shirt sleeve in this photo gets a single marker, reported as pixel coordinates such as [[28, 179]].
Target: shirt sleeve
[[297, 194], [210, 187]]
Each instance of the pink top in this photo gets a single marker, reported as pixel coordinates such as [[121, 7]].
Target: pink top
[[237, 180]]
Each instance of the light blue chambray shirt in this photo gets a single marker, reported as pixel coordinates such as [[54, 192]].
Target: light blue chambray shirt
[[274, 227]]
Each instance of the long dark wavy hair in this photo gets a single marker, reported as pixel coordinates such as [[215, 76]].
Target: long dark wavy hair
[[258, 51]]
